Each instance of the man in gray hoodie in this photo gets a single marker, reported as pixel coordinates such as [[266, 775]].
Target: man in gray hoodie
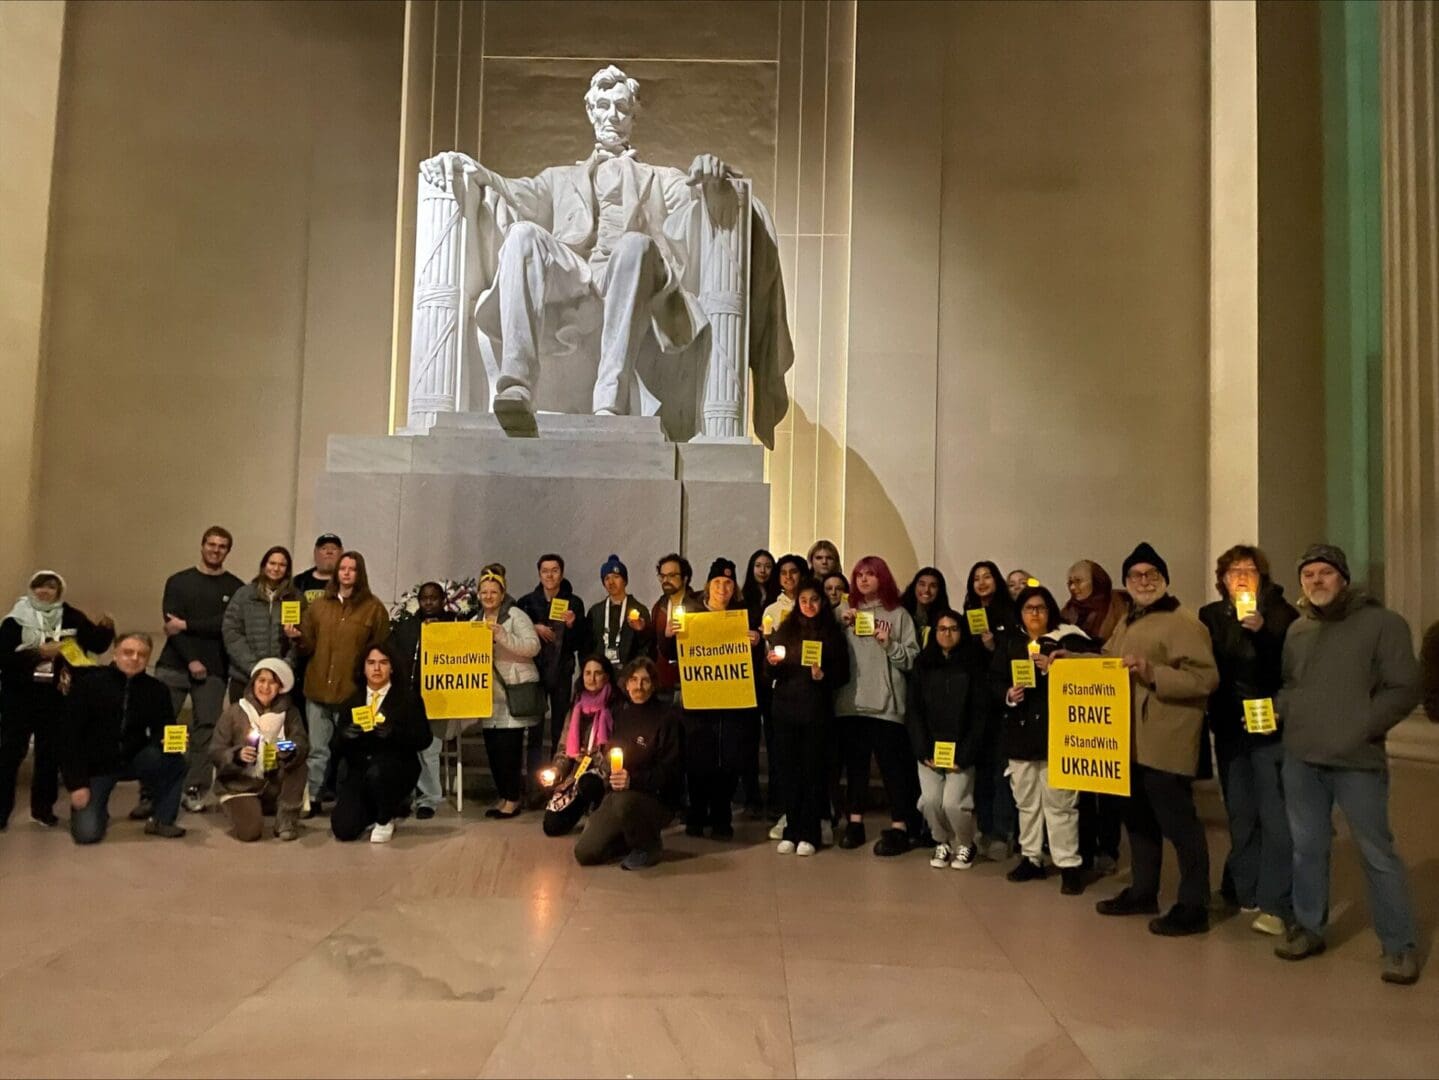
[[1349, 676]]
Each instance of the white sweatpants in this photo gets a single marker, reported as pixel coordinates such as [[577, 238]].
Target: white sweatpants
[[946, 799], [1043, 807]]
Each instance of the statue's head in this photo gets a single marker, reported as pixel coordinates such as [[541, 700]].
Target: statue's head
[[611, 103]]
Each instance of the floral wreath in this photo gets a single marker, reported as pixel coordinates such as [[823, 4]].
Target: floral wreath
[[461, 598]]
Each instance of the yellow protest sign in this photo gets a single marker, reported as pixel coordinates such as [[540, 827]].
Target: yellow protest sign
[[864, 623], [811, 653], [269, 756], [943, 755], [1259, 716], [176, 739], [716, 665], [290, 612], [924, 637], [73, 654], [1022, 673], [1089, 730], [363, 717], [457, 670], [978, 620], [559, 608]]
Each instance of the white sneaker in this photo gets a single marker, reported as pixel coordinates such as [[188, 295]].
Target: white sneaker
[[381, 834], [942, 855], [826, 834], [786, 847], [776, 831], [804, 848], [963, 857]]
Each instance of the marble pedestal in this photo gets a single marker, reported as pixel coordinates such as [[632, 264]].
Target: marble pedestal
[[445, 502]]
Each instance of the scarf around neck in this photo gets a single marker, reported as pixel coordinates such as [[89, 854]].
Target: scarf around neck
[[270, 725], [590, 704], [38, 622]]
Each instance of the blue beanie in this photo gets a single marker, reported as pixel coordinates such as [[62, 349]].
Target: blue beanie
[[612, 565]]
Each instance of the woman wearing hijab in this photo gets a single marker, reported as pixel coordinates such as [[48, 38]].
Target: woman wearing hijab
[[259, 750], [578, 784], [761, 588], [1094, 605], [32, 638], [253, 627], [993, 799], [927, 594]]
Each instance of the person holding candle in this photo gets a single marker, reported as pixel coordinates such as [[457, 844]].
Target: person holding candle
[[871, 707], [619, 626], [515, 647], [1044, 810], [790, 570], [947, 710], [644, 772], [1247, 626], [253, 628], [584, 742], [1169, 656], [667, 616], [803, 706], [993, 800], [377, 744], [714, 738], [259, 750], [927, 592]]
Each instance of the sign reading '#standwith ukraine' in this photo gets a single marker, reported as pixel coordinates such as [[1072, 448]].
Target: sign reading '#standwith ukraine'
[[1089, 725], [457, 670], [716, 664]]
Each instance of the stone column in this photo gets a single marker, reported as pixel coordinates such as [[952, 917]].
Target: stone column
[[724, 295], [435, 329], [1409, 39]]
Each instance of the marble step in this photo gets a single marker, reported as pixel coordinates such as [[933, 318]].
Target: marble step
[[564, 426]]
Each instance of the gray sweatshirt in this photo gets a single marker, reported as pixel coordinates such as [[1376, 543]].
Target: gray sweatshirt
[[1349, 676], [878, 686]]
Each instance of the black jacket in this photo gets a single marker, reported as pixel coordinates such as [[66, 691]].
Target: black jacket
[[1025, 734], [18, 689], [557, 660], [405, 732], [1251, 664], [405, 637], [948, 702], [632, 643], [649, 735], [108, 719], [200, 599], [798, 698]]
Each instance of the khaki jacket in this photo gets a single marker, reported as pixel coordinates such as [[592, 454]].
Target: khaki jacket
[[1168, 716], [332, 635]]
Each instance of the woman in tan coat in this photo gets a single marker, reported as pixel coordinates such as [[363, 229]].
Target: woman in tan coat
[[1169, 657], [259, 750]]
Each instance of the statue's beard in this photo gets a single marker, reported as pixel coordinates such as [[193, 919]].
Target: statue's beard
[[611, 138]]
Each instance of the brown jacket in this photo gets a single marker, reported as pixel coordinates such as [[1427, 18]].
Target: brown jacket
[[1168, 716], [231, 731], [333, 633]]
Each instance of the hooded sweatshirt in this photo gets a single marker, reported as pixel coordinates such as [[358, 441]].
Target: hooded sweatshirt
[[1349, 676], [878, 686]]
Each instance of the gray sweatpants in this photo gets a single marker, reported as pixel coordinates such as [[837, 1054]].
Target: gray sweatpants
[[946, 799]]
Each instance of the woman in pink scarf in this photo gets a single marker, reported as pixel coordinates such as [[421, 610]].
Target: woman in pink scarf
[[578, 787]]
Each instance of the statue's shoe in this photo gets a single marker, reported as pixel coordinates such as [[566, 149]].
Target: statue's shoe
[[516, 412]]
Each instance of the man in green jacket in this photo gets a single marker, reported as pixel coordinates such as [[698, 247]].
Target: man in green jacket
[[1349, 676]]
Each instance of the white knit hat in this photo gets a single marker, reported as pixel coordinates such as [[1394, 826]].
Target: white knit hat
[[279, 669]]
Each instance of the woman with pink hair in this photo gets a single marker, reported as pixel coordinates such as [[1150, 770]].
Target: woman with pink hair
[[882, 649]]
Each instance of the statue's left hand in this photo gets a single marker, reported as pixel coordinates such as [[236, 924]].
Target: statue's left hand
[[708, 169]]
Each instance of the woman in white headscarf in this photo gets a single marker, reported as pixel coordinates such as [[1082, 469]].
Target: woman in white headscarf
[[40, 633], [259, 751]]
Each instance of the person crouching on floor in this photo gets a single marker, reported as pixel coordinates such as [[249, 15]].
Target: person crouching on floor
[[578, 781], [259, 750]]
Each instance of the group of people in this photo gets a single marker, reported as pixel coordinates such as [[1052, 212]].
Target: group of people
[[303, 692]]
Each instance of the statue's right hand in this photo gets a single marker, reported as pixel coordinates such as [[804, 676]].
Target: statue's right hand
[[438, 169]]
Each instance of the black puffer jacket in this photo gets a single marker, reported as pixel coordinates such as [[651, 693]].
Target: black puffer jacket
[[1025, 735], [799, 698], [1251, 663], [557, 659], [947, 703]]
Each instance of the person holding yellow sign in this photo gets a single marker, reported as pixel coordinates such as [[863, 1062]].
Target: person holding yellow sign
[[1168, 654], [259, 750], [809, 661], [926, 596], [519, 697], [255, 626], [1020, 677], [1258, 874], [377, 746], [988, 617]]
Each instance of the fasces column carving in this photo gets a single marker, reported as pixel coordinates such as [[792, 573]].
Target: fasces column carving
[[724, 295], [435, 338]]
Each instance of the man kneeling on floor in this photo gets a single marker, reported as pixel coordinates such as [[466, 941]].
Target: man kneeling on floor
[[115, 720], [645, 771]]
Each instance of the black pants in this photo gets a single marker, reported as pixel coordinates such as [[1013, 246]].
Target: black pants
[[41, 718], [1161, 807], [590, 794], [624, 822], [1100, 819], [711, 790], [804, 753], [888, 742], [372, 792], [994, 807], [505, 747]]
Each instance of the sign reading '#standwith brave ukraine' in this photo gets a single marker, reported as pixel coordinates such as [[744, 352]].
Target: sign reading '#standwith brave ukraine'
[[716, 665], [457, 670], [1089, 725]]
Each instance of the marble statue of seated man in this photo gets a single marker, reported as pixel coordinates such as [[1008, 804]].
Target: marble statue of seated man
[[608, 230]]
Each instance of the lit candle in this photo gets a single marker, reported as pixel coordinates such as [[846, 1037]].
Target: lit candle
[[768, 624], [1033, 647], [547, 777], [779, 651], [617, 760], [1244, 605]]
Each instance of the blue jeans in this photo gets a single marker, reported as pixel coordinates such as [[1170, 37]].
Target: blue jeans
[[1311, 792], [159, 773], [1260, 866], [431, 790], [321, 721]]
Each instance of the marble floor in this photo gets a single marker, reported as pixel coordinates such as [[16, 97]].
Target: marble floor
[[478, 948]]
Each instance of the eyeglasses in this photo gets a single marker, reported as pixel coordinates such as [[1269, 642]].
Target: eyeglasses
[[1145, 576], [946, 629], [1035, 609], [674, 576]]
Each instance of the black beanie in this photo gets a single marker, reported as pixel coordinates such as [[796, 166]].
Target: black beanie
[[1144, 553], [721, 568]]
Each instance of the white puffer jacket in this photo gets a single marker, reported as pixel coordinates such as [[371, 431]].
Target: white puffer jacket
[[516, 646]]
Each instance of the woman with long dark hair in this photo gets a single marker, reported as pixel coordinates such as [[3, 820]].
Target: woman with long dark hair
[[577, 782], [761, 587], [993, 801], [253, 627], [926, 595]]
